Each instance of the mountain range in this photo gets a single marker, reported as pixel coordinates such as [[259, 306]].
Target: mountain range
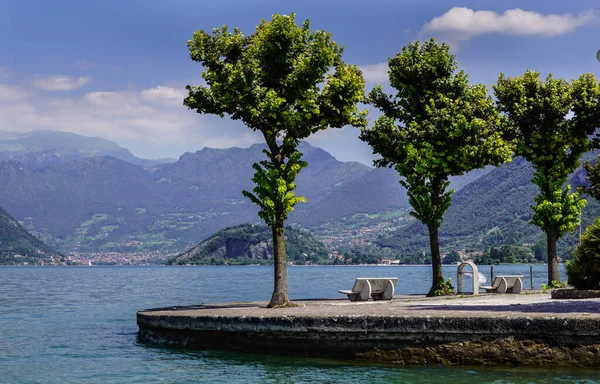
[[491, 211], [104, 204], [90, 195], [41, 148]]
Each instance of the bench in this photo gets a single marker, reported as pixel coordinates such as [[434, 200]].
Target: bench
[[378, 288], [505, 284]]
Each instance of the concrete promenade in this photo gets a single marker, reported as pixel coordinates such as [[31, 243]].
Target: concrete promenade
[[525, 329]]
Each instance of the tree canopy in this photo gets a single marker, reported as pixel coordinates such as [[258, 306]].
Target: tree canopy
[[287, 82], [452, 258], [434, 126], [584, 269], [553, 123], [593, 175]]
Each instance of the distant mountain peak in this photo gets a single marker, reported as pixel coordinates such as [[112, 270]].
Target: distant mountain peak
[[44, 147], [45, 139], [258, 146]]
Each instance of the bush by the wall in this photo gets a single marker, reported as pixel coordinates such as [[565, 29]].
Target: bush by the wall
[[584, 269]]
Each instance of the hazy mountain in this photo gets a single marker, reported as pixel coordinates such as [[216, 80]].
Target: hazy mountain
[[41, 148], [243, 244], [17, 246], [494, 209], [98, 204], [107, 204], [371, 192]]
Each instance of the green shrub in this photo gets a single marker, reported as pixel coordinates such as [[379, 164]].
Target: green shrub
[[584, 269], [444, 288], [554, 284]]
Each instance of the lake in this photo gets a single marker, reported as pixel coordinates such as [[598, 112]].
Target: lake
[[77, 325]]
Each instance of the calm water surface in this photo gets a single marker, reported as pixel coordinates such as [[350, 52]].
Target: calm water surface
[[77, 325]]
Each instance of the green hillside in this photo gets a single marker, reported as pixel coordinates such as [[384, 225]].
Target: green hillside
[[103, 204], [17, 246], [373, 192], [252, 244], [493, 210]]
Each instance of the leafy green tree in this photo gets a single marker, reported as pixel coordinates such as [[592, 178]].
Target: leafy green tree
[[484, 259], [540, 250], [436, 125], [506, 254], [593, 175], [584, 269], [287, 83], [538, 113], [358, 256], [452, 258], [493, 237]]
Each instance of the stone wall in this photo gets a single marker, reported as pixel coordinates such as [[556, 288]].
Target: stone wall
[[546, 341], [568, 293]]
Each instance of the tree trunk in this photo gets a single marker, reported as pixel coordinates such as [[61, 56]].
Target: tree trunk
[[281, 295], [553, 274], [436, 261]]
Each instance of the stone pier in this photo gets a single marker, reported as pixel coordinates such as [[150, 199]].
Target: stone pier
[[525, 329]]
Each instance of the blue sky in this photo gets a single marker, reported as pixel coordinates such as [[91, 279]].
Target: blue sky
[[117, 69]]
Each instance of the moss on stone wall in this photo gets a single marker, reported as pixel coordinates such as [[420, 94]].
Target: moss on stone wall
[[496, 352]]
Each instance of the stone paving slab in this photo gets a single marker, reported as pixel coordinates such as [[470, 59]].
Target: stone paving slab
[[533, 305]]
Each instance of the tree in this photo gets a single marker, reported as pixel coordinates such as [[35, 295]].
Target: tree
[[436, 125], [584, 269], [287, 83], [493, 237], [538, 113], [507, 254], [484, 259], [540, 250], [593, 175], [452, 258]]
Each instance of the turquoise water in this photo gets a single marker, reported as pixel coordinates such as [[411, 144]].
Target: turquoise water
[[77, 325]]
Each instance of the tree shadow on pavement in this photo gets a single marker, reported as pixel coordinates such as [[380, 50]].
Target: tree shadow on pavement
[[571, 306]]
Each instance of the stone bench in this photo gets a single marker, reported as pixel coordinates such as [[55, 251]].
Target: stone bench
[[505, 284], [377, 288]]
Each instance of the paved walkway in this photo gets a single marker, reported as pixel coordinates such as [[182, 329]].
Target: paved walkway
[[489, 305]]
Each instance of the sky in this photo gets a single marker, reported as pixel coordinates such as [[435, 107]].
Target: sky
[[118, 69]]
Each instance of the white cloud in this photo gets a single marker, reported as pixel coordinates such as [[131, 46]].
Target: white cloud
[[164, 95], [463, 23], [111, 100], [151, 122], [12, 93], [375, 73], [59, 83]]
